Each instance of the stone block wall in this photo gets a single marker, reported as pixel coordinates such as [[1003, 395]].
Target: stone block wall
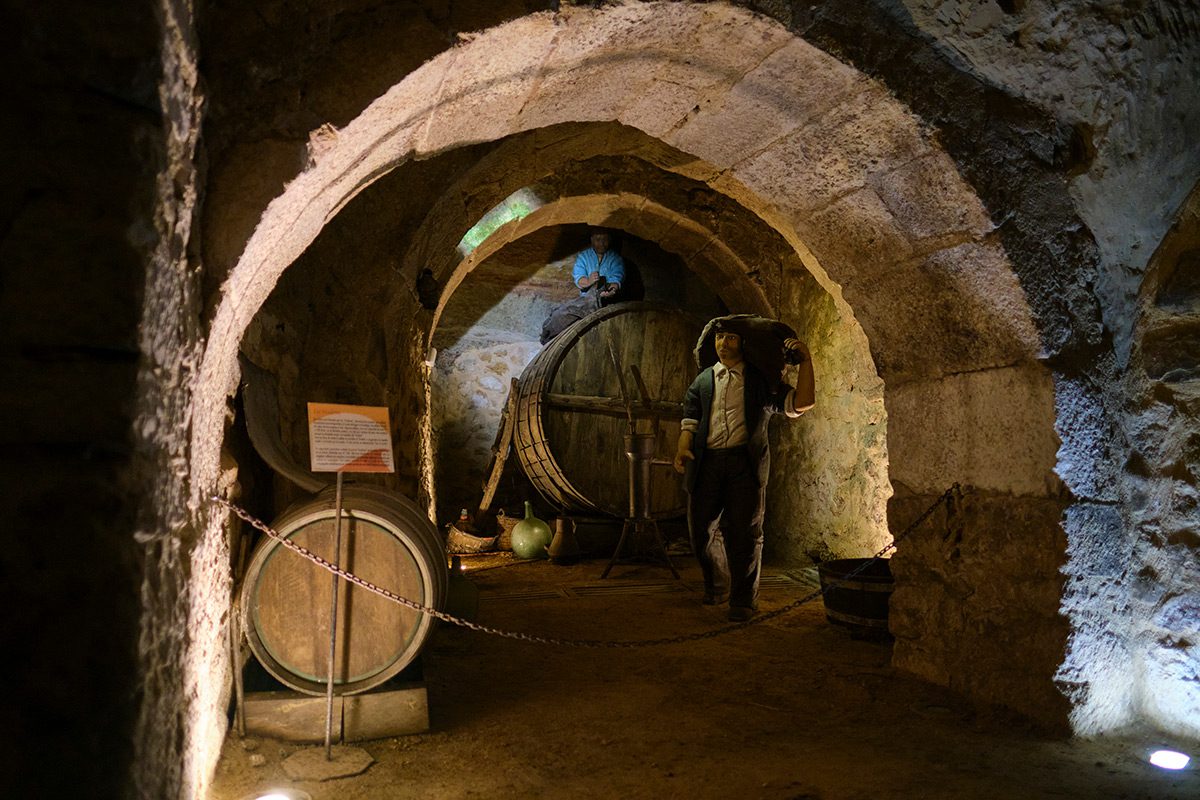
[[977, 597], [976, 605], [82, 142]]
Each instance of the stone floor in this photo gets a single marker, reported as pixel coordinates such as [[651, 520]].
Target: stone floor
[[789, 708]]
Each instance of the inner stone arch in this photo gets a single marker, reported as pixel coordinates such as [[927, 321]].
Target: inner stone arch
[[842, 445], [710, 259]]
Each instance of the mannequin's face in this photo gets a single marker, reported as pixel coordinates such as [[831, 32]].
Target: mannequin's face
[[729, 348]]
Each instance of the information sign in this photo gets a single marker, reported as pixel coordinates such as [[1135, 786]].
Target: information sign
[[349, 438]]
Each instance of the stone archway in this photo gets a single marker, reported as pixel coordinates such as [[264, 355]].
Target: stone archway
[[826, 198], [830, 161]]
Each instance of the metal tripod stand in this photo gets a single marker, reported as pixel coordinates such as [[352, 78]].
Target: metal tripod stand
[[639, 451]]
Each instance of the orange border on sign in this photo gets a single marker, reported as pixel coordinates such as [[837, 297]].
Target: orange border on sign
[[374, 413]]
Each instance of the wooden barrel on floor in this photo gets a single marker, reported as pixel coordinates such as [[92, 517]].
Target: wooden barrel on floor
[[285, 599], [571, 420]]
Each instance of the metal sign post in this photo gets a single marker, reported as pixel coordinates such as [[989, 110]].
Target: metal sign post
[[333, 604], [345, 439]]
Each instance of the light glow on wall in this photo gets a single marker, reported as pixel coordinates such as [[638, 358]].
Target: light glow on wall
[[517, 205]]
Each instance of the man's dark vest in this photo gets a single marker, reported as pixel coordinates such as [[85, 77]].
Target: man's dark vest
[[758, 409]]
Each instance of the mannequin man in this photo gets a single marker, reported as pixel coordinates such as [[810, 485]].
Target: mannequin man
[[723, 448], [599, 262]]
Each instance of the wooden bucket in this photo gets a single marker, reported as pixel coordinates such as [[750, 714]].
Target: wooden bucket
[[571, 421], [387, 541], [859, 602]]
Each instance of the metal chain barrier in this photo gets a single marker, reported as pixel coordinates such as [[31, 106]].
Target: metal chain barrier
[[953, 494]]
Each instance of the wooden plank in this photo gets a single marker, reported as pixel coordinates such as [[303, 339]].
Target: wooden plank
[[290, 716], [618, 366], [381, 713], [504, 437], [398, 710]]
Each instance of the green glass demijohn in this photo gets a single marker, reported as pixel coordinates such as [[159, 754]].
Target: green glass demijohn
[[531, 536]]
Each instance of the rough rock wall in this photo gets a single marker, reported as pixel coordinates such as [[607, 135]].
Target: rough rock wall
[[1123, 77], [470, 388], [829, 483], [185, 590], [82, 146], [1164, 469], [486, 336]]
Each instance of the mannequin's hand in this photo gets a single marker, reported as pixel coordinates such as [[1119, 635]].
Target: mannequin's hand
[[795, 351]]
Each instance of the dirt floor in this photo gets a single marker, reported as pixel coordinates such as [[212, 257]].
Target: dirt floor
[[790, 708]]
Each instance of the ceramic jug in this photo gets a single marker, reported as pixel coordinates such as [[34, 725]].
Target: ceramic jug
[[564, 548], [530, 536]]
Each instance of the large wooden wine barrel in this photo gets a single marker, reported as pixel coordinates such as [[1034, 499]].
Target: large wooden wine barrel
[[571, 420], [285, 598]]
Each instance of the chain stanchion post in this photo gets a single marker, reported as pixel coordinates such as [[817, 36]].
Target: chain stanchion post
[[239, 679], [333, 604]]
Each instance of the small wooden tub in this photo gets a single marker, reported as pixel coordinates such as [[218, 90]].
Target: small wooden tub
[[859, 602]]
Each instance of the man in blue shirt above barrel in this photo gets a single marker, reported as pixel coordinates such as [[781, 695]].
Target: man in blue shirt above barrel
[[599, 264], [723, 449], [599, 273]]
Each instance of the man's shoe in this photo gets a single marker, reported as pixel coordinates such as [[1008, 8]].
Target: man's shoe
[[715, 598], [740, 613]]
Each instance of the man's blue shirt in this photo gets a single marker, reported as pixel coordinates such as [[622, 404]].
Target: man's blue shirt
[[611, 266]]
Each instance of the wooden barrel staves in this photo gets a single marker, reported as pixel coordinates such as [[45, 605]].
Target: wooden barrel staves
[[387, 541], [857, 591], [571, 418]]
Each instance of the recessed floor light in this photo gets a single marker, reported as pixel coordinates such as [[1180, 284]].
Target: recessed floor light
[[279, 794], [1169, 759]]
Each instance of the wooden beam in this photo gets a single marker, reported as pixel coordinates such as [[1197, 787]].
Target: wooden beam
[[614, 406]]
